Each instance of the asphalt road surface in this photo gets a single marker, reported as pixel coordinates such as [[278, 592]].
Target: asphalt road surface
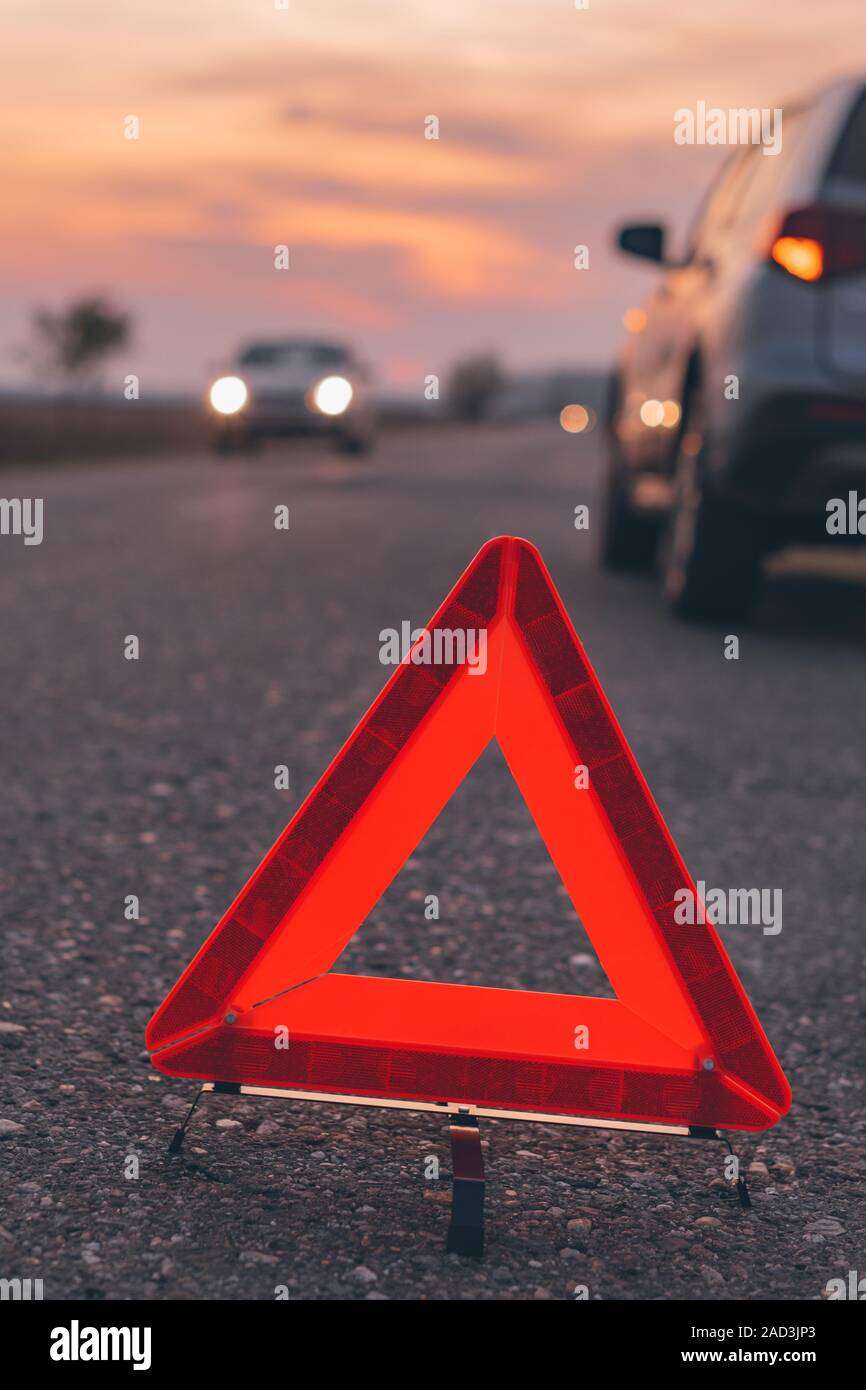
[[156, 778]]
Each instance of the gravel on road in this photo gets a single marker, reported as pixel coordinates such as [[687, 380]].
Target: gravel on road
[[155, 778]]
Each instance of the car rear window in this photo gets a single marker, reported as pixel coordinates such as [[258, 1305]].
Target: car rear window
[[849, 158], [767, 175]]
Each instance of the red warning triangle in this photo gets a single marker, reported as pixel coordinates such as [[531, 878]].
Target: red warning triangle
[[679, 1045]]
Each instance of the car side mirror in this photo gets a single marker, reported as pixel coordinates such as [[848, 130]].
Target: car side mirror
[[644, 239]]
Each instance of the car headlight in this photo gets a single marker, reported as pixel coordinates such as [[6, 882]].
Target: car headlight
[[228, 395], [333, 395]]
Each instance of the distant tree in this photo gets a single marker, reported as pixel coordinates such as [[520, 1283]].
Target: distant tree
[[74, 341], [472, 385]]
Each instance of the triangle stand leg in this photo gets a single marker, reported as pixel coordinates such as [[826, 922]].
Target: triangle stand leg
[[180, 1134], [742, 1185], [466, 1231], [702, 1132]]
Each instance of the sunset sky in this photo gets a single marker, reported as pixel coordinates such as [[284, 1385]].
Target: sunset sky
[[305, 126]]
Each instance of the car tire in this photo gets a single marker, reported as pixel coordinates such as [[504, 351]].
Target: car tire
[[353, 444], [711, 552], [232, 442], [629, 538]]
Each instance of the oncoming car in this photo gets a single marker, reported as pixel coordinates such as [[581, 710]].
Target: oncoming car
[[291, 387], [737, 412]]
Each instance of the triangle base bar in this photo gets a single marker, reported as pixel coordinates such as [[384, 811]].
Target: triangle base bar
[[236, 1088], [333, 1065], [415, 1040]]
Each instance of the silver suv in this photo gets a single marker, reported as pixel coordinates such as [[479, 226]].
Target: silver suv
[[737, 411], [289, 387]]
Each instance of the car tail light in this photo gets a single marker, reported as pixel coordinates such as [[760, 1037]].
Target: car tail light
[[819, 242]]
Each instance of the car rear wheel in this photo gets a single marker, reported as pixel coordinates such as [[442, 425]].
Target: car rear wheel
[[629, 538], [233, 442], [353, 444], [711, 552]]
